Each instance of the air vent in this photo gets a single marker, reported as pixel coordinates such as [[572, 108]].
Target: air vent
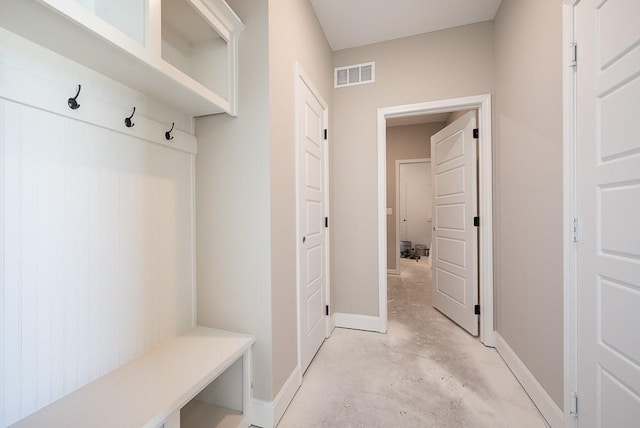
[[357, 74]]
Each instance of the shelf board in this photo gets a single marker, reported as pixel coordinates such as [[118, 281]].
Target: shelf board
[[198, 414], [119, 57], [146, 391]]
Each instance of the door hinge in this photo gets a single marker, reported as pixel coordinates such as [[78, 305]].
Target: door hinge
[[326, 222], [573, 404], [574, 230], [325, 133], [573, 55], [476, 310], [326, 310], [476, 133], [476, 221]]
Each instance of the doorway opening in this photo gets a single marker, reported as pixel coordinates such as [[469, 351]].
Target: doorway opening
[[412, 202], [482, 104]]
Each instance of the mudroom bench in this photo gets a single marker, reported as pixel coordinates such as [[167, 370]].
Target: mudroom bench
[[200, 378]]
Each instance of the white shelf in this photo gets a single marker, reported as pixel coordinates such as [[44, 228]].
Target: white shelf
[[198, 414], [73, 30], [145, 392]]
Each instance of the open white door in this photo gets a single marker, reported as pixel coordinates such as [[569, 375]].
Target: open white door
[[455, 238], [311, 227], [608, 207]]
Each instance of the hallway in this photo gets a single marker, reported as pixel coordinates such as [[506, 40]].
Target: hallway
[[425, 372]]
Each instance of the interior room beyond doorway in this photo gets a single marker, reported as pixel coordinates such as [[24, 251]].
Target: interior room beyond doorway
[[409, 211]]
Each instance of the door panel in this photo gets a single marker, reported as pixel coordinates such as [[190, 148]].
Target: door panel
[[311, 251], [608, 202], [402, 212], [455, 247], [415, 180], [452, 251]]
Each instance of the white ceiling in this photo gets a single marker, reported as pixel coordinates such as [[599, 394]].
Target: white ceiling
[[351, 23]]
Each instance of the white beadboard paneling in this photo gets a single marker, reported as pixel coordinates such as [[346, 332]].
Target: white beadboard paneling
[[96, 228], [12, 262], [35, 76]]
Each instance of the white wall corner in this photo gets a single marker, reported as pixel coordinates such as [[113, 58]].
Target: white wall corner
[[550, 411], [267, 414], [357, 322]]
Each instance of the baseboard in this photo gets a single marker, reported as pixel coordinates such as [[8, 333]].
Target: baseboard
[[357, 322], [393, 272], [332, 323], [550, 411], [262, 413], [267, 414]]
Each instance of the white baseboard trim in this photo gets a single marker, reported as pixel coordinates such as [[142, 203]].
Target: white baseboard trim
[[550, 411], [332, 324], [267, 414], [357, 322], [393, 272], [262, 413]]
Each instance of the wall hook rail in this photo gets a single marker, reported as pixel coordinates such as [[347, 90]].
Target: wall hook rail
[[127, 121], [167, 134], [72, 102]]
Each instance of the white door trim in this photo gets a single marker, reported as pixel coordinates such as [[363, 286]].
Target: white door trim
[[483, 104], [398, 163], [299, 74], [570, 290]]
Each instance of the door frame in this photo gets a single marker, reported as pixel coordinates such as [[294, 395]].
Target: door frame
[[300, 75], [570, 286], [399, 162], [482, 103]]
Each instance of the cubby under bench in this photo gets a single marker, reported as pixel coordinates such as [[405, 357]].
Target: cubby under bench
[[201, 378]]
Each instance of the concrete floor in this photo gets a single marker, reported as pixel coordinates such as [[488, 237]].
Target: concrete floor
[[425, 372]]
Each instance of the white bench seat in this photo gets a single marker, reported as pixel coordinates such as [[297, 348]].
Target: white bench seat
[[151, 388]]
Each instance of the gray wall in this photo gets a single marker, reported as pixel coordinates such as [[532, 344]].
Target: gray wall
[[444, 64], [245, 179], [233, 227], [403, 142], [528, 186], [295, 35]]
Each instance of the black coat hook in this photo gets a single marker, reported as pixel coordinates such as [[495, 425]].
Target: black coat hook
[[127, 121], [73, 104], [167, 134]]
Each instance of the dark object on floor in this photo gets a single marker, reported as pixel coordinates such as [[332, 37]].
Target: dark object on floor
[[410, 254]]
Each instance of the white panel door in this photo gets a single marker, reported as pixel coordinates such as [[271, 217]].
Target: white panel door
[[455, 240], [402, 209], [415, 202], [311, 254], [608, 196]]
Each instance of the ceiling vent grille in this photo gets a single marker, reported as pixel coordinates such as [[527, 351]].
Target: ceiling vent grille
[[357, 74]]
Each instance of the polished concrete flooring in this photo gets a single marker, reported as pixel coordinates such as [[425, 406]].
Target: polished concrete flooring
[[425, 372]]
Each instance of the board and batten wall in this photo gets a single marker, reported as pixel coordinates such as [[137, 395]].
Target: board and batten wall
[[403, 142], [527, 132], [96, 227], [444, 64]]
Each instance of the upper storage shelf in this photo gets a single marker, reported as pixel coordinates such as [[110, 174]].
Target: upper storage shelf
[[183, 52]]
